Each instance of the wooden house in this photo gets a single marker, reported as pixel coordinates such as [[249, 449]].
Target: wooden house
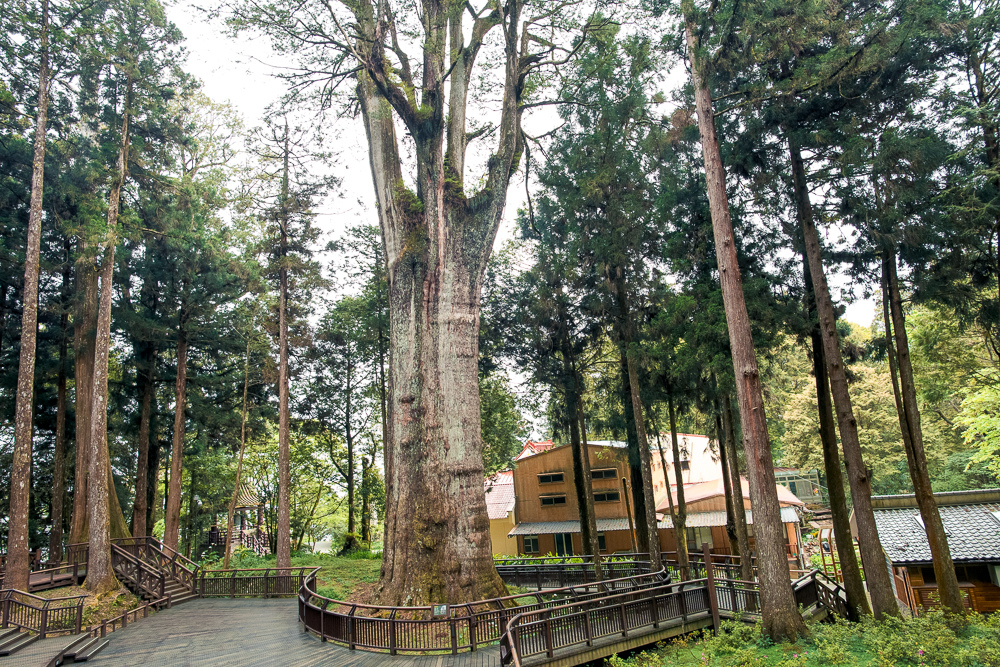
[[971, 522]]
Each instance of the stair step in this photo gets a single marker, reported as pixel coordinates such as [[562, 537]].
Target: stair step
[[92, 650], [182, 599], [7, 634], [81, 647], [69, 650], [16, 644]]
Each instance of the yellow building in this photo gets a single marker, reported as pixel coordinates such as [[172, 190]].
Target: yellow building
[[500, 507]]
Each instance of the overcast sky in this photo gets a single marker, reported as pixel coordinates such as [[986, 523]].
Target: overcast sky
[[241, 72]]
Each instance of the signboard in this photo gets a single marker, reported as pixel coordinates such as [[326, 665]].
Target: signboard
[[439, 610]]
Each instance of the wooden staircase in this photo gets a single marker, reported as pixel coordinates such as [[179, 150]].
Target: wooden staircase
[[154, 571]]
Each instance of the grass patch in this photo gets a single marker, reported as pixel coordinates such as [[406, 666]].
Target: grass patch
[[926, 641], [337, 578]]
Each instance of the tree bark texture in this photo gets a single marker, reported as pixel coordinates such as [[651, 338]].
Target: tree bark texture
[[905, 392], [581, 466], [283, 538], [873, 558], [780, 613], [18, 559], [680, 516], [437, 241], [59, 455], [172, 515], [727, 487], [100, 574], [736, 482], [84, 331], [638, 490]]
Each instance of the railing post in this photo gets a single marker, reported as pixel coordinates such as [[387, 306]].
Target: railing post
[[713, 600], [473, 623], [654, 611], [588, 627], [350, 627], [392, 633], [621, 614], [548, 634], [452, 624], [45, 621], [6, 610], [232, 584]]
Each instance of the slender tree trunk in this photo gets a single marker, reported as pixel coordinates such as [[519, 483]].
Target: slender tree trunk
[[147, 382], [581, 462], [905, 392], [189, 524], [780, 613], [366, 500], [172, 515], [239, 462], [649, 504], [100, 574], [727, 486], [283, 545], [739, 513], [666, 481], [872, 556], [634, 457], [59, 457], [18, 559], [351, 543], [84, 330], [857, 600], [680, 517]]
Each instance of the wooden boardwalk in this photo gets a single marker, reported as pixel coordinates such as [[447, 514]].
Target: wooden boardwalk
[[245, 632]]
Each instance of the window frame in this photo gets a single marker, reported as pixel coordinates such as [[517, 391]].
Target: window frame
[[562, 477], [606, 492], [613, 471], [534, 540], [552, 497]]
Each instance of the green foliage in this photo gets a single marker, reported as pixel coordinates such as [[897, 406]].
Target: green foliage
[[503, 427]]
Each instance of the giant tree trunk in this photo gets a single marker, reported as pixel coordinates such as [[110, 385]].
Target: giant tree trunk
[[872, 556], [736, 482], [59, 456], [100, 575], [780, 613], [283, 538], [172, 515], [437, 242], [905, 392], [18, 559], [680, 516]]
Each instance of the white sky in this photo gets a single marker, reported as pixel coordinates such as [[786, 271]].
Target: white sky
[[241, 72]]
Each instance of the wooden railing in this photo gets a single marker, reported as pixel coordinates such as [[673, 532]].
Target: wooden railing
[[110, 625], [259, 582], [143, 577], [579, 623], [555, 560], [163, 558], [560, 575], [928, 597], [36, 614], [455, 628], [60, 575]]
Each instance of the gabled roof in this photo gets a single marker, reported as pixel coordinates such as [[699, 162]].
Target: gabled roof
[[531, 448], [718, 518], [973, 529], [716, 487], [500, 495]]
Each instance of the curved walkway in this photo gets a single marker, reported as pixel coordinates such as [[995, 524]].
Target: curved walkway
[[246, 632]]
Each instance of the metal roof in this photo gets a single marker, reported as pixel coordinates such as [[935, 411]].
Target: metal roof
[[718, 518], [500, 495], [973, 533], [694, 520]]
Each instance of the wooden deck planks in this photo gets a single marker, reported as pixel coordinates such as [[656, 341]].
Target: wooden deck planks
[[250, 632]]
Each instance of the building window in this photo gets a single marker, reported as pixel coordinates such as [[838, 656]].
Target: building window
[[531, 544], [602, 544], [564, 544], [604, 473], [607, 497], [550, 478], [553, 500], [699, 536], [685, 465]]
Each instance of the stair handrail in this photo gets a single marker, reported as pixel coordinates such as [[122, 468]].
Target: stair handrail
[[155, 573]]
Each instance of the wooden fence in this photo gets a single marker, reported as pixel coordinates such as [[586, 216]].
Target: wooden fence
[[256, 582], [45, 616], [443, 628]]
